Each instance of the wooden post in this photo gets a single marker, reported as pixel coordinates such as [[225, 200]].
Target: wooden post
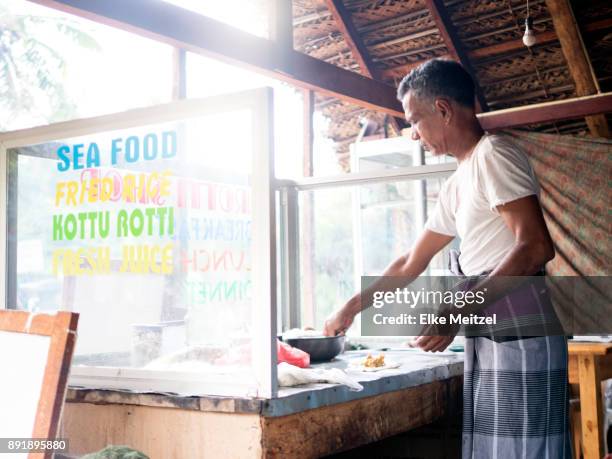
[[590, 407], [577, 59]]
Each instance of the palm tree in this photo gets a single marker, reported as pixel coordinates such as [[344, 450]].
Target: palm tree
[[32, 70]]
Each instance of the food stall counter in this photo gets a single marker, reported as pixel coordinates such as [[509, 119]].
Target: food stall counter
[[303, 421]]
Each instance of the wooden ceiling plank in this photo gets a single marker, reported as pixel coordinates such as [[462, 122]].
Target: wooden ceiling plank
[[509, 46], [486, 51], [393, 21], [542, 37], [577, 107], [577, 59], [400, 71], [455, 48], [208, 37], [502, 48], [513, 99], [404, 38]]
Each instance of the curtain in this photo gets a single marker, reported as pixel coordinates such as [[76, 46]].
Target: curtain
[[575, 174]]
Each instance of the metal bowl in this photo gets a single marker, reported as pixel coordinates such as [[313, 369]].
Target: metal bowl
[[321, 349]]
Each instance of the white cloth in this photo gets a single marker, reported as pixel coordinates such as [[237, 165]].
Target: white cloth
[[497, 172], [290, 375]]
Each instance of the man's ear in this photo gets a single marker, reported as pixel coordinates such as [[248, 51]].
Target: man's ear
[[445, 108]]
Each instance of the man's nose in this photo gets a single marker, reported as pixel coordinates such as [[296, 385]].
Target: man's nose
[[414, 135]]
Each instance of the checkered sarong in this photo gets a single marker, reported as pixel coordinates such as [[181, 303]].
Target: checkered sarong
[[515, 399], [515, 393]]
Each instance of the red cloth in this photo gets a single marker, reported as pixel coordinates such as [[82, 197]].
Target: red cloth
[[292, 355]]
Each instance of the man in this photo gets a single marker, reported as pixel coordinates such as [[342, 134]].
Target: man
[[515, 390]]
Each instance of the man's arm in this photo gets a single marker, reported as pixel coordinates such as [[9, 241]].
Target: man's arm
[[532, 249], [408, 266]]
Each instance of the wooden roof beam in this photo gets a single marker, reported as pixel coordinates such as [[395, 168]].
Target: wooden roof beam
[[343, 20], [546, 112], [360, 53], [577, 59], [211, 38], [455, 48]]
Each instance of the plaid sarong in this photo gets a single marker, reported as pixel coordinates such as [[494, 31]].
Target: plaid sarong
[[515, 399], [515, 396]]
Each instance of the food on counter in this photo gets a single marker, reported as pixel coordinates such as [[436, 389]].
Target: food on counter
[[374, 362], [292, 355]]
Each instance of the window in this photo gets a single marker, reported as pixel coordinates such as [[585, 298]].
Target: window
[[57, 67], [251, 16], [149, 233], [358, 231], [356, 224], [208, 77]]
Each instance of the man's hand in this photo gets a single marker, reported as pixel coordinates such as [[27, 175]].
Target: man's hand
[[407, 266], [436, 338], [432, 343], [339, 322]]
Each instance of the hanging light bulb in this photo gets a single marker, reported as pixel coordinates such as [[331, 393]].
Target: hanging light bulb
[[529, 39]]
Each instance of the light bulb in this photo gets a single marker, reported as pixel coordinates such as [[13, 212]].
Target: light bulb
[[529, 39]]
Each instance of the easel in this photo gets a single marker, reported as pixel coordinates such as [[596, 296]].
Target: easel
[[60, 328]]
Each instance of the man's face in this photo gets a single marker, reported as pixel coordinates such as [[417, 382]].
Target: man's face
[[427, 124]]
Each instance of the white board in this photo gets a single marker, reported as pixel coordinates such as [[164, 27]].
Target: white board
[[23, 359]]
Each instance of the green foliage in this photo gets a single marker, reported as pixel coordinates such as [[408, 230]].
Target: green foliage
[[116, 452], [33, 68]]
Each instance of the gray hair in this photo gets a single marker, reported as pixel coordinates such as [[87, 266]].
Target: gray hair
[[439, 78]]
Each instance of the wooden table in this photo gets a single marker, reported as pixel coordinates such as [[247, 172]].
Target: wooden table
[[589, 365]]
